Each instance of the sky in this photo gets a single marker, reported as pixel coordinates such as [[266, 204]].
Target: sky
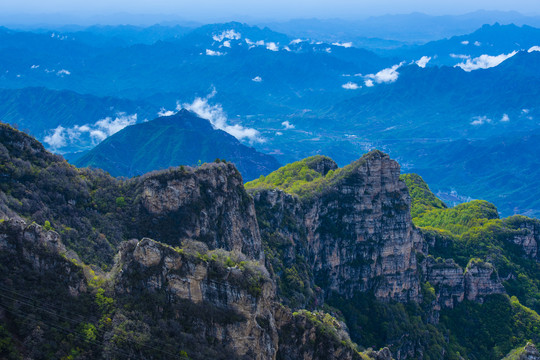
[[202, 10]]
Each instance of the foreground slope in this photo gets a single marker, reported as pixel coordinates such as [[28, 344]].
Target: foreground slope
[[180, 139]]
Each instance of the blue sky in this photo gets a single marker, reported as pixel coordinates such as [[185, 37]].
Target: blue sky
[[277, 9]]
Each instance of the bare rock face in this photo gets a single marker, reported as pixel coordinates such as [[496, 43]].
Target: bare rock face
[[530, 353], [305, 336], [481, 280], [362, 235], [448, 280], [207, 204], [356, 232], [529, 239], [33, 248], [243, 298], [453, 285]]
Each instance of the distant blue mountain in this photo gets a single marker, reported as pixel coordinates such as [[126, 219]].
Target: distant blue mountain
[[180, 139], [305, 97], [490, 40]]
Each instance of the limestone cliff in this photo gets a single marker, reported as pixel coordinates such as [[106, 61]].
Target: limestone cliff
[[354, 229], [527, 236], [207, 204], [238, 298], [453, 284], [24, 246], [206, 303], [224, 268]]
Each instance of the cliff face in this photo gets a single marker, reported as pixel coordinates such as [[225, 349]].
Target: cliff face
[[356, 230], [307, 335], [239, 300], [361, 234], [214, 282], [453, 284], [528, 352], [32, 248], [207, 204], [528, 238]]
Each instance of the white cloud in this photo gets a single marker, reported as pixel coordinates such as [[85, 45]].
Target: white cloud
[[110, 126], [525, 111], [477, 43], [165, 112], [88, 135], [484, 62], [287, 125], [505, 118], [34, 66], [287, 48], [214, 53], [423, 61], [227, 43], [253, 44], [345, 45], [460, 56], [465, 42], [57, 139], [534, 48], [480, 120], [328, 50], [257, 79], [369, 83], [296, 41], [279, 133], [350, 86], [217, 117], [387, 75], [63, 72], [227, 34], [272, 46]]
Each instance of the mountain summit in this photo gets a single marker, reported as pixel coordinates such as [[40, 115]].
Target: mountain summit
[[180, 139]]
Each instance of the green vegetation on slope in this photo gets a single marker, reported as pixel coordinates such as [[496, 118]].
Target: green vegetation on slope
[[459, 219], [293, 178], [422, 199], [492, 329], [474, 230], [309, 176], [522, 353]]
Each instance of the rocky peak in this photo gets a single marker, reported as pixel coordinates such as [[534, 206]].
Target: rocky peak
[[207, 204], [358, 231], [361, 231], [528, 352], [321, 164]]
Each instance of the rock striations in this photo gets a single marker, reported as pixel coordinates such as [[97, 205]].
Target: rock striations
[[207, 204], [453, 284], [356, 230]]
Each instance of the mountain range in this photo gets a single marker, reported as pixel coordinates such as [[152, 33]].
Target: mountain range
[[308, 97], [312, 261]]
